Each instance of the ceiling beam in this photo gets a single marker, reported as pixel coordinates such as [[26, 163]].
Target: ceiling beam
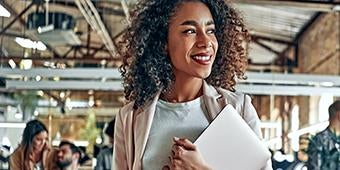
[[257, 83], [12, 11], [82, 60], [292, 79], [89, 73], [322, 6], [59, 101], [306, 26], [65, 85], [298, 36], [268, 89], [101, 9], [17, 17], [272, 39], [265, 46], [287, 90], [23, 23], [113, 73]]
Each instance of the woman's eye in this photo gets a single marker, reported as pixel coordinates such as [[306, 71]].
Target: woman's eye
[[211, 31], [189, 31]]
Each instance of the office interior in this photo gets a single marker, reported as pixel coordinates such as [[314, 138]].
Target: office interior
[[59, 64]]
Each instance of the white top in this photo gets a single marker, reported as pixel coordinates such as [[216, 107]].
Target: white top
[[38, 166], [183, 120]]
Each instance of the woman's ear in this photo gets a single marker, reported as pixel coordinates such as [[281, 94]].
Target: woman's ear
[[166, 48]]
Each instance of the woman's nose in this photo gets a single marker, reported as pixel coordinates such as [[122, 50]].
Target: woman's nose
[[203, 41]]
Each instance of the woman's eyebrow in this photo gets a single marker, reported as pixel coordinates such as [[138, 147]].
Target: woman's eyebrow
[[194, 23], [211, 22], [190, 22]]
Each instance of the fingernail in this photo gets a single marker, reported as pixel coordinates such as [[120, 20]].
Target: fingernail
[[176, 138]]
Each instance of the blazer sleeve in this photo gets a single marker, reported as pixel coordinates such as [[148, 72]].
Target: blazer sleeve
[[119, 156], [252, 119], [250, 116], [15, 162]]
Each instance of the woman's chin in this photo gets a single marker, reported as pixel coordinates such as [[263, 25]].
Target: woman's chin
[[39, 149]]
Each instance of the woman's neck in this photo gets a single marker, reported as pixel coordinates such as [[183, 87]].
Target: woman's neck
[[184, 90], [36, 156]]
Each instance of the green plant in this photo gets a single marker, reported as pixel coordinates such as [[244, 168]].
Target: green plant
[[28, 101], [91, 131]]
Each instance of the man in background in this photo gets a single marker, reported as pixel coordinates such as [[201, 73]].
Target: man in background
[[104, 158], [68, 156], [324, 148]]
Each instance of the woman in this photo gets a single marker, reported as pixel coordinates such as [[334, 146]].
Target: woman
[[104, 157], [33, 152], [180, 63]]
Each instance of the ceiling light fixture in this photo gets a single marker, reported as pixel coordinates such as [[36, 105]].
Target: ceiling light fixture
[[27, 43], [4, 12], [336, 8], [12, 63]]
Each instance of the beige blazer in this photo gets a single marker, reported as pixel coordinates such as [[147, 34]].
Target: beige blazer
[[130, 139], [18, 162]]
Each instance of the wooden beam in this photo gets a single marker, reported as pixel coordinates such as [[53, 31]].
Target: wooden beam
[[271, 39], [17, 17], [86, 60], [12, 11], [265, 46], [322, 6]]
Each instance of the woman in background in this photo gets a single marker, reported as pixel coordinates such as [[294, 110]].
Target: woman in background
[[104, 157], [33, 152]]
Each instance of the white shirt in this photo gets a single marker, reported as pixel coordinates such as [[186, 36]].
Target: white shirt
[[183, 120]]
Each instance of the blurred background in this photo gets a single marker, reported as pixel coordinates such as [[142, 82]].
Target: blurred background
[[59, 64]]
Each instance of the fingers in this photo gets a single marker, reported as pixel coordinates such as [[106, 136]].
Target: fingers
[[187, 144], [167, 167], [177, 151], [176, 164]]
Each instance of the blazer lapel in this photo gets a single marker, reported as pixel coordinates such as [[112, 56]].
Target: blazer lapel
[[213, 101], [142, 127]]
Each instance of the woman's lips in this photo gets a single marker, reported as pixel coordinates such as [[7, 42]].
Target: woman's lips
[[202, 59]]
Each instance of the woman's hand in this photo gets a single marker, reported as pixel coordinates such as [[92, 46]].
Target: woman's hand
[[185, 155]]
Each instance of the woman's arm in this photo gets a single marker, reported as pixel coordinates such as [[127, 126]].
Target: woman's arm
[[119, 155], [252, 119]]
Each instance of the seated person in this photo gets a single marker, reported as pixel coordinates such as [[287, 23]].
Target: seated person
[[68, 156], [34, 151]]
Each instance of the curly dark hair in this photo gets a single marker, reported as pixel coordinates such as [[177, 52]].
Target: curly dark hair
[[147, 68]]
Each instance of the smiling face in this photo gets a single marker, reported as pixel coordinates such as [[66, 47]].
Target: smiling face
[[64, 156], [192, 44], [39, 141]]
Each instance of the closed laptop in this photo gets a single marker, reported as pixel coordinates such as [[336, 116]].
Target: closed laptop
[[228, 143]]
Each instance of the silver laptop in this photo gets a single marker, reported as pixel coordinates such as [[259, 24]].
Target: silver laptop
[[228, 143]]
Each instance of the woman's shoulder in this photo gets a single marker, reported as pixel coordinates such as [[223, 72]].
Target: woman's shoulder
[[128, 107], [235, 97], [240, 101], [18, 151], [126, 110], [16, 158]]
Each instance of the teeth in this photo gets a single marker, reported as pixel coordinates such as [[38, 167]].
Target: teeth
[[203, 58]]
